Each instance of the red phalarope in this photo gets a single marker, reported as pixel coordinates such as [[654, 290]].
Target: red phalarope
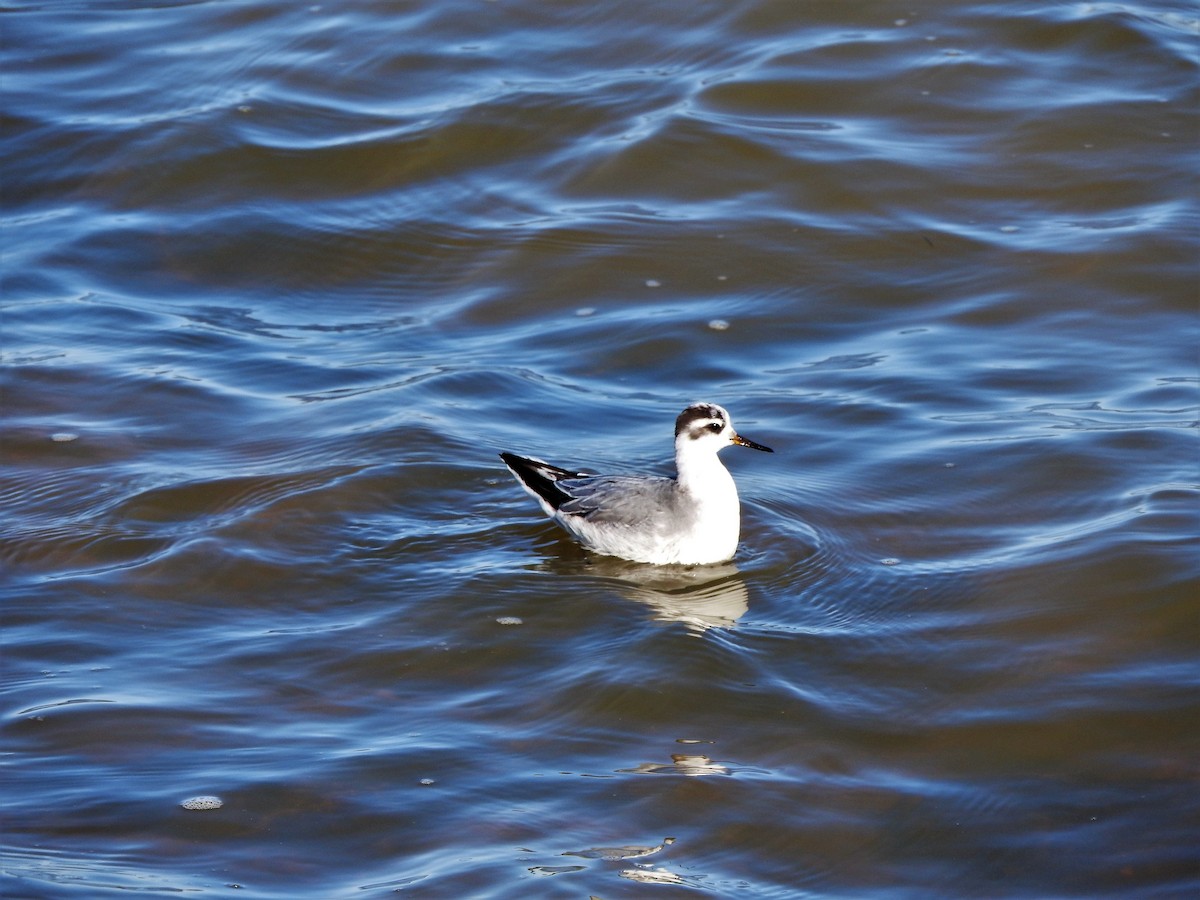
[[691, 519]]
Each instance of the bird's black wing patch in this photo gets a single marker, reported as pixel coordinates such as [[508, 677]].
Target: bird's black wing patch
[[541, 477]]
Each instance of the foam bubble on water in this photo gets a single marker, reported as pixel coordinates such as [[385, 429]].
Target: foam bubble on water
[[64, 437], [653, 282], [584, 311], [427, 781], [510, 620], [890, 561], [718, 325], [205, 802]]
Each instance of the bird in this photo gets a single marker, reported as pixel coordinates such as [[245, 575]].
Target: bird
[[691, 519]]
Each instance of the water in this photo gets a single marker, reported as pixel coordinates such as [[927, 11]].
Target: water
[[280, 281]]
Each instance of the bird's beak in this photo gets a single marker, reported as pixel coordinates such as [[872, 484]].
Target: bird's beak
[[746, 442]]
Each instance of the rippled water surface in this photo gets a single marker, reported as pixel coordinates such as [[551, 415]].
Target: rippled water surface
[[281, 279]]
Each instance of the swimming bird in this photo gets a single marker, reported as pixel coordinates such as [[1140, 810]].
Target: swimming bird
[[691, 519]]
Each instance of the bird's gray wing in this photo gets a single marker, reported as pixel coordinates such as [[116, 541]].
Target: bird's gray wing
[[619, 499]]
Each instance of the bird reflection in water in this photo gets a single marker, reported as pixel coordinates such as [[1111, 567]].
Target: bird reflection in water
[[699, 597]]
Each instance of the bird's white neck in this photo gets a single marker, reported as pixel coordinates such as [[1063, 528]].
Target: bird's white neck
[[716, 526], [701, 473]]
